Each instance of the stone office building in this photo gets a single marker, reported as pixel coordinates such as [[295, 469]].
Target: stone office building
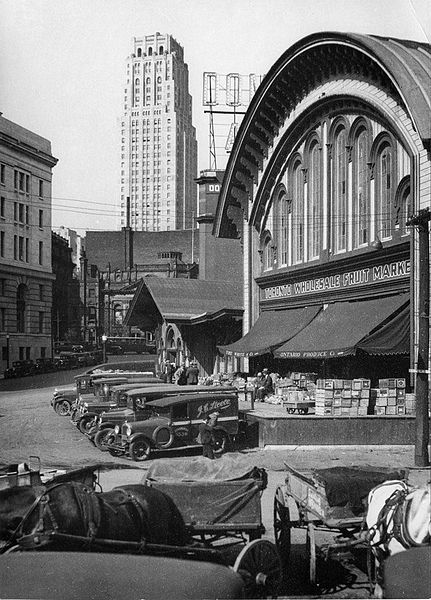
[[26, 164]]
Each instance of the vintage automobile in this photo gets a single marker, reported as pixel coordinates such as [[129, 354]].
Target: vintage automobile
[[102, 575], [64, 397], [135, 409], [88, 407], [44, 365], [173, 422], [20, 368]]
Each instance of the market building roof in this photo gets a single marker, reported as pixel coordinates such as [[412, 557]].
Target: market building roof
[[400, 66], [184, 300]]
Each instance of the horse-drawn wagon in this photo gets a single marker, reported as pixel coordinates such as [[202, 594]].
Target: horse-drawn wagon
[[220, 502], [217, 521], [326, 500]]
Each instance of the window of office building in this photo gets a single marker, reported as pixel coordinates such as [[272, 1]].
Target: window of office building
[[21, 307]]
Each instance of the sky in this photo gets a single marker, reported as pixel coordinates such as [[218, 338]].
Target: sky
[[62, 71]]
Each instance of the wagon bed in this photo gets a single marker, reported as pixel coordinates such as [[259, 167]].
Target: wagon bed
[[327, 500], [220, 502], [213, 499]]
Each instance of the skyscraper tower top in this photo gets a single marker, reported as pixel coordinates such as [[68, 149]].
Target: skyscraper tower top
[[156, 44], [158, 141]]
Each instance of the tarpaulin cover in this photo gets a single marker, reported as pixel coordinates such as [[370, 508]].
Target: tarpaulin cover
[[199, 468], [350, 486], [339, 329], [212, 495], [216, 505], [272, 328], [392, 338]]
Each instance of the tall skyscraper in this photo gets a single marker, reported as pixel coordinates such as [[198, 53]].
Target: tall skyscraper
[[158, 140]]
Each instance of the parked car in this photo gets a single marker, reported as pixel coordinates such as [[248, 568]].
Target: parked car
[[173, 422], [20, 368], [114, 349], [44, 365], [63, 398], [98, 575], [88, 407], [135, 408]]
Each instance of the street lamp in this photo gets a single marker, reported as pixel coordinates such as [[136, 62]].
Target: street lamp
[[104, 338], [8, 350]]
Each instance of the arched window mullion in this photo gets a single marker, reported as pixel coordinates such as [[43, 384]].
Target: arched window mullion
[[361, 194], [339, 192]]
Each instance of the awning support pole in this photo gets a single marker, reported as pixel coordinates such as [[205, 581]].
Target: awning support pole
[[421, 221]]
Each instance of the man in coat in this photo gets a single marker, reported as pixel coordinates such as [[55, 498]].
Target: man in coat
[[266, 386], [206, 435], [192, 373]]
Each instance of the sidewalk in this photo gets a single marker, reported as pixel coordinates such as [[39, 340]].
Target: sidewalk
[[307, 458]]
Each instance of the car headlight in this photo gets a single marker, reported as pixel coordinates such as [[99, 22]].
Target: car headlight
[[117, 429], [128, 430]]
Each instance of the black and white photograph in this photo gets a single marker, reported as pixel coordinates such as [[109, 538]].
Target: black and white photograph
[[215, 299]]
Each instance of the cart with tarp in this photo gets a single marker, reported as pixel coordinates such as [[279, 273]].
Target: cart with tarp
[[220, 502], [331, 500]]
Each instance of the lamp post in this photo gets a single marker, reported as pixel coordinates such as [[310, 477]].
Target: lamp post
[[8, 351], [104, 338]]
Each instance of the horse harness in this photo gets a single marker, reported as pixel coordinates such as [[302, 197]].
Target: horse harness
[[88, 506], [394, 511], [89, 509]]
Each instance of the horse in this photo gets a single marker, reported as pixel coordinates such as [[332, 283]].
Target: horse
[[398, 518], [71, 513]]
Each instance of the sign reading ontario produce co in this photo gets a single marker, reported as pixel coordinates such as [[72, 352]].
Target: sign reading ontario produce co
[[360, 277]]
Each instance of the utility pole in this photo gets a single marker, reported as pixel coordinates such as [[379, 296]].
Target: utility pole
[[421, 221]]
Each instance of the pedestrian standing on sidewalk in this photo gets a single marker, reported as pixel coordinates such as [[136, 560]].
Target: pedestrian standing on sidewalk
[[180, 375], [192, 373], [206, 435], [168, 371]]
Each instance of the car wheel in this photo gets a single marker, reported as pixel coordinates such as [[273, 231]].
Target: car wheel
[[221, 441], [62, 408], [86, 423], [101, 438], [140, 450]]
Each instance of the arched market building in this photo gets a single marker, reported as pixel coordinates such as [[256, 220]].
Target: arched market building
[[330, 160]]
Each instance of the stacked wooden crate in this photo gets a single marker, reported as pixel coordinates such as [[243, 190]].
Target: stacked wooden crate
[[391, 398], [342, 397], [297, 388]]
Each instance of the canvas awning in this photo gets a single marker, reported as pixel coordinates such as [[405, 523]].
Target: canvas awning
[[272, 328], [392, 338], [342, 327]]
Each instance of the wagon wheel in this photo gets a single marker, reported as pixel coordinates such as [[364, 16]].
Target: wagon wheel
[[310, 548], [290, 410], [282, 528], [303, 411], [259, 565]]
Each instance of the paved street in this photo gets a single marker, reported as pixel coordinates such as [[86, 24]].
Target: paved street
[[29, 426]]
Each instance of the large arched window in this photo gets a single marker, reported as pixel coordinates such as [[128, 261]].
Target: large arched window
[[21, 308], [339, 191], [297, 213], [314, 201], [361, 202], [281, 226], [403, 206], [267, 250], [384, 189]]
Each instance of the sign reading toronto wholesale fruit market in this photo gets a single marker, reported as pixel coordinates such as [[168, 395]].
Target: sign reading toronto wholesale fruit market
[[360, 277]]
